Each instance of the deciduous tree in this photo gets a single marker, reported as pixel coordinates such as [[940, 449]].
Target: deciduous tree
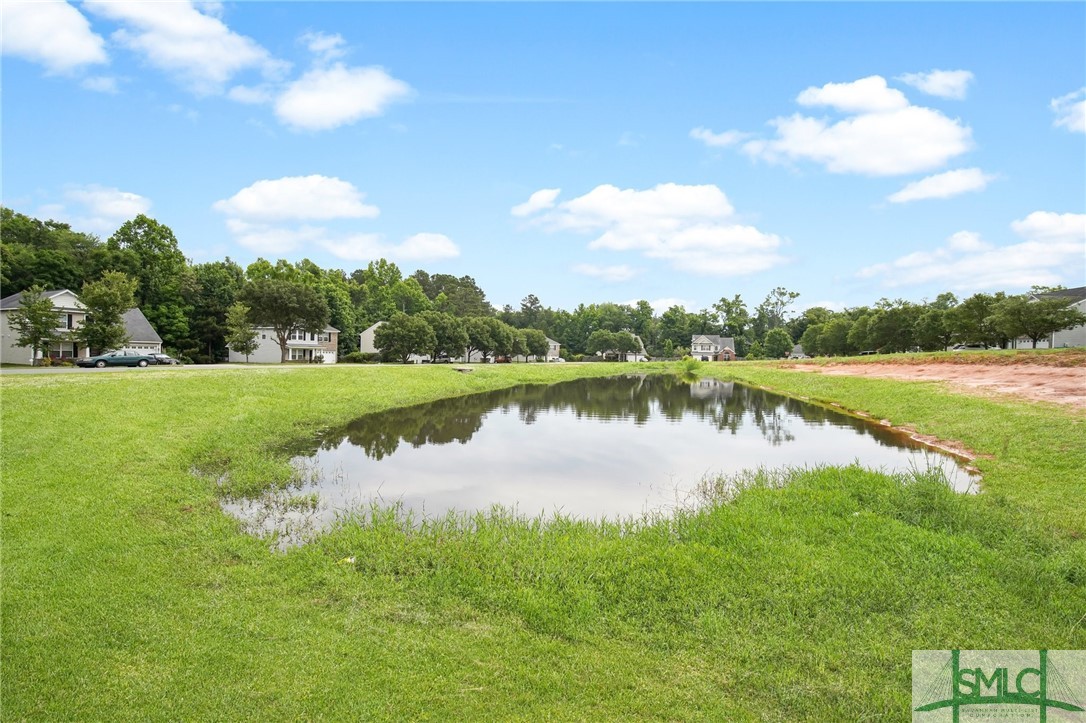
[[284, 307], [35, 322], [403, 335], [240, 332], [106, 301]]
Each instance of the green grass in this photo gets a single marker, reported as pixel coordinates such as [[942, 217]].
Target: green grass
[[127, 594]]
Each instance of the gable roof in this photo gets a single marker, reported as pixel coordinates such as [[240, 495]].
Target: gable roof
[[722, 342], [13, 301], [138, 328], [1071, 295]]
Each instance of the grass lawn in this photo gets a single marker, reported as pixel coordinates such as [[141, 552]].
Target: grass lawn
[[127, 594]]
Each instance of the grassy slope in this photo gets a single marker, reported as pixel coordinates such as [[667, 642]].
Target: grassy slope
[[127, 594]]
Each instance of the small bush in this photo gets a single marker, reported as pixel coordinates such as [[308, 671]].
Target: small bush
[[358, 357]]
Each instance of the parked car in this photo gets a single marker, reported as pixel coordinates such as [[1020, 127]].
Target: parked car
[[969, 347], [119, 358], [164, 358]]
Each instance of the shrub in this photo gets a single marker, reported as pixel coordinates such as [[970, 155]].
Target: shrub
[[359, 357]]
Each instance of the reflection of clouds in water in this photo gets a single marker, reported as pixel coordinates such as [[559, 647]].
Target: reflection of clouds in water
[[590, 448]]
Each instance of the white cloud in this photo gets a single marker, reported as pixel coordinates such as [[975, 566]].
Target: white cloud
[[326, 47], [176, 37], [718, 140], [884, 136], [1070, 111], [943, 185], [606, 273], [326, 98], [94, 208], [53, 34], [109, 202], [298, 198], [538, 201], [866, 95], [251, 94], [1052, 244], [267, 239], [687, 226], [659, 306], [101, 84], [419, 247], [943, 83], [270, 217], [967, 241], [1060, 228]]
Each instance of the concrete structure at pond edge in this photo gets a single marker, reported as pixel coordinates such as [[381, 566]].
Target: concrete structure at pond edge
[[302, 346], [367, 345], [711, 347], [70, 316]]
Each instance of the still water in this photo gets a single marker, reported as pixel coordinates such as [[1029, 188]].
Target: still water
[[589, 448]]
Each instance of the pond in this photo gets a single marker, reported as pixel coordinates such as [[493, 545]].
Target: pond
[[590, 448]]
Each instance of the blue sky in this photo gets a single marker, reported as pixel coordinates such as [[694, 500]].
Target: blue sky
[[582, 152]]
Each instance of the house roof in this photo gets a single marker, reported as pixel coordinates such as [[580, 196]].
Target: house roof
[[138, 328], [1071, 295], [723, 342], [13, 301], [327, 328]]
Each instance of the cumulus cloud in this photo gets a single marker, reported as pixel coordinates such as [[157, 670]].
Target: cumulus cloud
[[1052, 243], [52, 34], [194, 46], [95, 208], [298, 198], [687, 226], [538, 201], [264, 238], [882, 135], [326, 47], [866, 95], [419, 247], [1070, 111], [718, 140], [951, 84], [326, 98], [943, 185], [276, 217], [618, 273]]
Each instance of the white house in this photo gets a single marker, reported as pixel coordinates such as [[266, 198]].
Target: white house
[[302, 346], [70, 316], [711, 347], [367, 344], [141, 335], [1076, 335], [554, 350]]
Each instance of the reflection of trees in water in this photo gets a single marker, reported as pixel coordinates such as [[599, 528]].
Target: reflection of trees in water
[[631, 398]]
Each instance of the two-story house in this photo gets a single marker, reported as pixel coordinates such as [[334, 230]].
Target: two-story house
[[302, 346], [70, 316], [711, 347]]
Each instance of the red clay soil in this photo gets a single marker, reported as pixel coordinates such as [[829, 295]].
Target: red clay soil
[[1040, 382]]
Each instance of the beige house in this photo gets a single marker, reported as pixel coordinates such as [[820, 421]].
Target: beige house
[[711, 347], [70, 316], [302, 346]]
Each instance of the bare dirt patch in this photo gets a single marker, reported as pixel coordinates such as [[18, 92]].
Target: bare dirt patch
[[1039, 382]]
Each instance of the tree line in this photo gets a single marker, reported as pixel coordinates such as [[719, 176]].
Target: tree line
[[201, 310]]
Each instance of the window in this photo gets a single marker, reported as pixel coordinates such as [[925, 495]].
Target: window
[[299, 335], [300, 354]]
